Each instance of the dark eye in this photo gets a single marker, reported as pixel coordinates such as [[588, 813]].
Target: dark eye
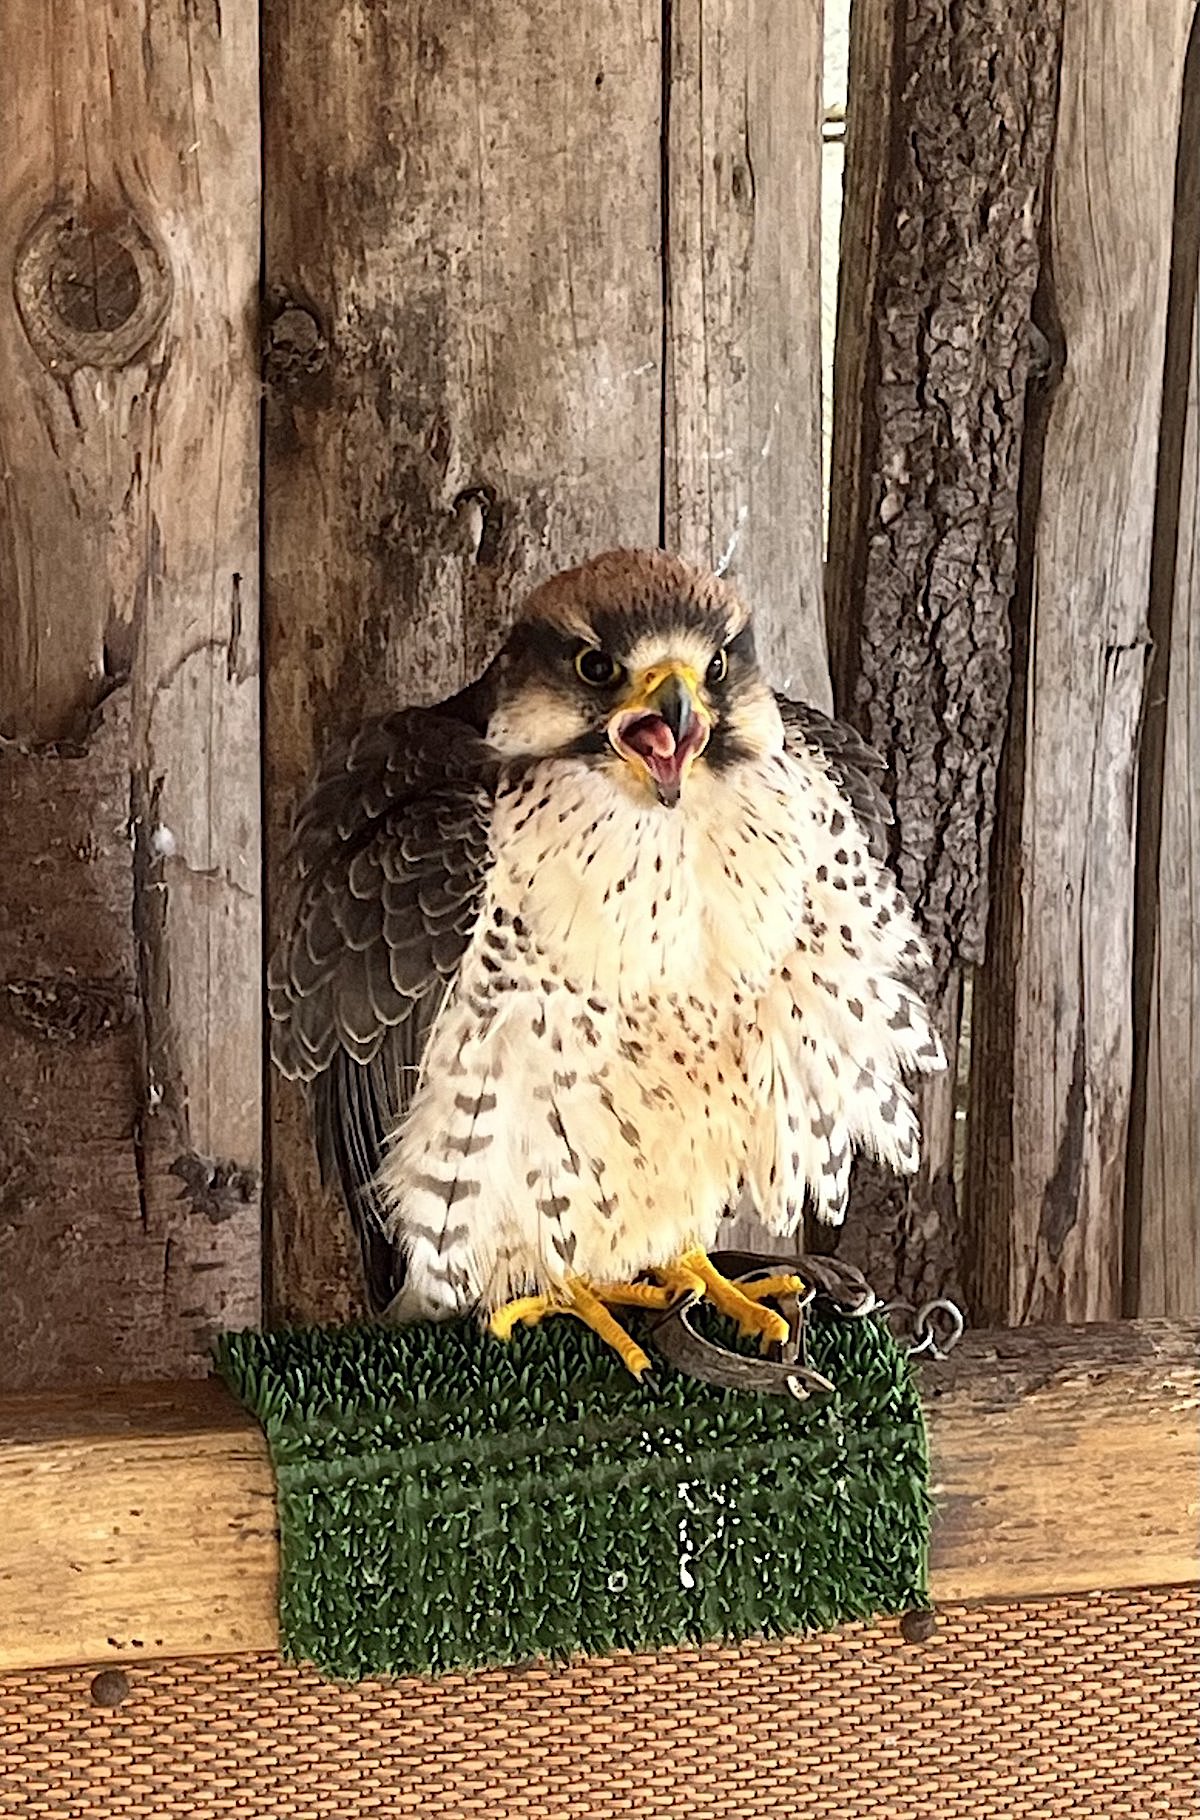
[[596, 667], [717, 670]]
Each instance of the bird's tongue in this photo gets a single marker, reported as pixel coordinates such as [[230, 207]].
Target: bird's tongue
[[652, 739]]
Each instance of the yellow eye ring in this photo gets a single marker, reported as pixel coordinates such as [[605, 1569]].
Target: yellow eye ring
[[596, 668], [718, 669]]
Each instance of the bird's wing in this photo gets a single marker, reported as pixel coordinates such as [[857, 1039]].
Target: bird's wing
[[854, 766], [389, 862]]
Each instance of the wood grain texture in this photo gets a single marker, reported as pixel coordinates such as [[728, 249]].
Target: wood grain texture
[[137, 1523], [472, 262], [1169, 1224], [142, 1521], [742, 256], [1162, 1202], [1065, 1459], [130, 1028], [1054, 1003], [950, 127]]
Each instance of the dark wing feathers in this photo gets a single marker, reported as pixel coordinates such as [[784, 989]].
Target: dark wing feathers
[[389, 860], [854, 766]]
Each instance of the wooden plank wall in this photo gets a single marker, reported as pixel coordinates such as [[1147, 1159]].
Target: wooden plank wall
[[532, 293], [529, 293], [981, 534], [742, 374], [129, 775]]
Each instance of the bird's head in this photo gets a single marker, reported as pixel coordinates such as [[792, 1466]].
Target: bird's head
[[639, 662]]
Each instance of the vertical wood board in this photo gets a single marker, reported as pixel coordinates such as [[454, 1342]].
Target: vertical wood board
[[463, 260], [130, 1028], [1162, 1255], [742, 456], [1169, 1229]]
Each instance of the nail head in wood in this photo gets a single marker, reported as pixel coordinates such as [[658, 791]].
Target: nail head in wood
[[918, 1626], [110, 1687]]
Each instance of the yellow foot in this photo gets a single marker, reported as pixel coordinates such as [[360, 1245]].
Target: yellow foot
[[693, 1274], [584, 1302]]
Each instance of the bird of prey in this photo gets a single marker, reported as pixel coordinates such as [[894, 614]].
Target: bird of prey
[[590, 950]]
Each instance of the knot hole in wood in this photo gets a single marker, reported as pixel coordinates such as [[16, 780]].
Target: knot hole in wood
[[92, 292], [294, 347]]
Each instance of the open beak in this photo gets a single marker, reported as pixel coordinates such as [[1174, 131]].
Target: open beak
[[662, 726]]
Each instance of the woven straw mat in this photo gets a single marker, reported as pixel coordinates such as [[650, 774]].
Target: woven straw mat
[[1082, 1707]]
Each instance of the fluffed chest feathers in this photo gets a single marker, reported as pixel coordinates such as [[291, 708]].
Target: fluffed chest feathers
[[625, 898]]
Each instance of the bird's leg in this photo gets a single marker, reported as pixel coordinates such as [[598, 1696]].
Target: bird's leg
[[694, 1274], [585, 1302]]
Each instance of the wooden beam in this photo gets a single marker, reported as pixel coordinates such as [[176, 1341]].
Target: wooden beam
[[950, 124], [130, 952], [1054, 1003], [142, 1522]]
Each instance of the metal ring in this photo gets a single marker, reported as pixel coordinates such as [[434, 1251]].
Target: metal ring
[[923, 1324], [922, 1335]]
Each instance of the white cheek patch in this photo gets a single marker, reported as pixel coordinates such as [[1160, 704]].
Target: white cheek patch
[[756, 719], [537, 720]]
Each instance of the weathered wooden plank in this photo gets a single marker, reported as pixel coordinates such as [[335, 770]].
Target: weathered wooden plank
[[142, 1521], [1053, 1005], [1162, 1256], [173, 1538], [462, 243], [129, 933], [1168, 1239], [1065, 1459], [950, 125], [742, 179]]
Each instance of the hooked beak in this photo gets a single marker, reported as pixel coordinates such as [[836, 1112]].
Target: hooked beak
[[662, 727]]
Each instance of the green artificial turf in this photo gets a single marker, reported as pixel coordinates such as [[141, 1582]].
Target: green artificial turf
[[447, 1501]]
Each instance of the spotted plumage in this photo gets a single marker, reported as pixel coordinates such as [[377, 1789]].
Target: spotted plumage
[[588, 952]]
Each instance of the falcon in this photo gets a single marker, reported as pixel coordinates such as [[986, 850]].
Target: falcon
[[588, 952]]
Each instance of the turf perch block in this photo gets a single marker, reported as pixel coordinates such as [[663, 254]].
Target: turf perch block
[[448, 1502]]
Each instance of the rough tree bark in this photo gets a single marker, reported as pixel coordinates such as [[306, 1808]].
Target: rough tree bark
[[129, 783], [950, 128], [490, 348], [1054, 1056]]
